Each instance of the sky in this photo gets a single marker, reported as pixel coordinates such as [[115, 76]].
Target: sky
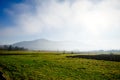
[[93, 22]]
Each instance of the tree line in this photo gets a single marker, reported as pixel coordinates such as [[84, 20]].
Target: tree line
[[10, 48]]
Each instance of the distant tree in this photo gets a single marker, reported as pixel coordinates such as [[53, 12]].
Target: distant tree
[[72, 52], [10, 48], [5, 47], [16, 48]]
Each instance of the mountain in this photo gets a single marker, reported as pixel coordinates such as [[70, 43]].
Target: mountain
[[43, 44]]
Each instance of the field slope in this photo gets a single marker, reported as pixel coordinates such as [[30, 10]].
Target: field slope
[[21, 65]]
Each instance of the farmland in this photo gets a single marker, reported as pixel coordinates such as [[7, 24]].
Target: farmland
[[33, 65]]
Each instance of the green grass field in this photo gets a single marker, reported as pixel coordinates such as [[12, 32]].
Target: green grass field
[[26, 65]]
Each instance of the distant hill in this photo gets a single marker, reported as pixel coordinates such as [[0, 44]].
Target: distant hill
[[43, 44]]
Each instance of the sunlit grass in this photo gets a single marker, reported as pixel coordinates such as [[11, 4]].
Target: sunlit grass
[[56, 66]]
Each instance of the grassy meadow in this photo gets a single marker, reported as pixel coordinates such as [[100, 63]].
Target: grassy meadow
[[31, 65]]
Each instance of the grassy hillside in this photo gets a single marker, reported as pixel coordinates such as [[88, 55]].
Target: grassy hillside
[[21, 65]]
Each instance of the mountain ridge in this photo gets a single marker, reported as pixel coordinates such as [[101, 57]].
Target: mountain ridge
[[44, 44]]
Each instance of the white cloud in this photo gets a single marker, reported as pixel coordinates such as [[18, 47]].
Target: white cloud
[[68, 20]]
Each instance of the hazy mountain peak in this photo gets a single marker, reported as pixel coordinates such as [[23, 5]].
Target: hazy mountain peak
[[44, 44], [42, 40]]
